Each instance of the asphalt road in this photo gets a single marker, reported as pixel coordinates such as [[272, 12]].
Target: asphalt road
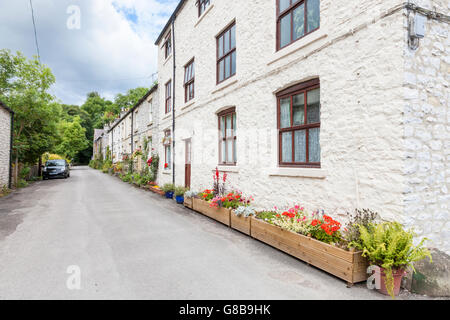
[[94, 237]]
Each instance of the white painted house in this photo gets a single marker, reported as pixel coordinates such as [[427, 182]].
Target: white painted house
[[331, 104], [6, 124]]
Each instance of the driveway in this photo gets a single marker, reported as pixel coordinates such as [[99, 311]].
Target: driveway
[[94, 237]]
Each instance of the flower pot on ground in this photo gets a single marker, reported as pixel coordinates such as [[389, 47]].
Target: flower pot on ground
[[179, 194], [390, 247]]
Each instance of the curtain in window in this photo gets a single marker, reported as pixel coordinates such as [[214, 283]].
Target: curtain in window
[[299, 21], [314, 145], [300, 146], [285, 108], [287, 146], [313, 14]]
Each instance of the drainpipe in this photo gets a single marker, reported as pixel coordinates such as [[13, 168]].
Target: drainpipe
[[11, 150], [173, 101], [112, 145]]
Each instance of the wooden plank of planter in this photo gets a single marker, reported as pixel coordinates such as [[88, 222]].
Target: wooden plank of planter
[[349, 268], [240, 223], [219, 214], [188, 202], [158, 191]]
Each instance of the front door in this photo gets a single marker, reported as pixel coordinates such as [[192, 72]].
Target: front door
[[187, 170]]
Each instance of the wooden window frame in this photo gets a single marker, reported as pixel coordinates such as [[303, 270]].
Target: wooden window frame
[[168, 45], [290, 93], [229, 53], [285, 12], [202, 6], [224, 139], [168, 106], [189, 80]]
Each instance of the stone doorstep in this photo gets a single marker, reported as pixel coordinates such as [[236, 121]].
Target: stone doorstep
[[430, 279]]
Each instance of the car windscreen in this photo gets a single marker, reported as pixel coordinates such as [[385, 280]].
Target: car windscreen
[[55, 163]]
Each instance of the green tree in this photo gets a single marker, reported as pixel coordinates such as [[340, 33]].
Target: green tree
[[73, 138], [24, 85], [129, 99]]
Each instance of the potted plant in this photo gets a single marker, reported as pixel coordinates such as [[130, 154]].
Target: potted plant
[[168, 189], [179, 194], [390, 247]]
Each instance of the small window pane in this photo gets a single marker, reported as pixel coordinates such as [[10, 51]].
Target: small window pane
[[299, 109], [299, 21], [233, 37], [229, 126], [314, 145], [221, 70], [227, 42], [313, 14], [227, 67], [313, 113], [284, 4], [233, 63], [285, 108], [234, 152], [285, 29], [223, 152], [230, 150], [300, 146], [234, 124], [286, 141], [222, 127], [221, 46]]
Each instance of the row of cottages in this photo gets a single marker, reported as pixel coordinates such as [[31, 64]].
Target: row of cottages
[[332, 104], [6, 134], [133, 129]]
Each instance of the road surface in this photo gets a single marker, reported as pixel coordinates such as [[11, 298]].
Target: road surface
[[94, 237]]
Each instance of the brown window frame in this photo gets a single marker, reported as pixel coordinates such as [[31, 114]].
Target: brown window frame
[[168, 45], [224, 114], [168, 107], [227, 54], [285, 12], [189, 81], [290, 93], [202, 6]]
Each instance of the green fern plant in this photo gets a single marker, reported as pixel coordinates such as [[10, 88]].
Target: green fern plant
[[390, 246]]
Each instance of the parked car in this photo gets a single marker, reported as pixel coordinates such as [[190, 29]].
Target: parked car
[[56, 169]]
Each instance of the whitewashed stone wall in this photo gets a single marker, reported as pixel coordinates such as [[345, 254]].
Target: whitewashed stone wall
[[359, 56], [5, 143], [427, 132]]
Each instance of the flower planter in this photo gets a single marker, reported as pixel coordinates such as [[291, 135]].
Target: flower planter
[[157, 191], [240, 223], [397, 274], [219, 214], [347, 265], [179, 199], [188, 203]]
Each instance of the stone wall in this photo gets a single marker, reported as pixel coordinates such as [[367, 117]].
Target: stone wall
[[427, 132], [5, 143]]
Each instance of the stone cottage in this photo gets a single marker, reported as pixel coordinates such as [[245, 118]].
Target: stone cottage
[[97, 151], [332, 104], [6, 125], [135, 126]]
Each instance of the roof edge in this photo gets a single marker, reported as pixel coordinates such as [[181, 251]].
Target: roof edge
[[172, 17], [5, 107]]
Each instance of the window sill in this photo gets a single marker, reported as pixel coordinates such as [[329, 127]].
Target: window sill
[[168, 172], [298, 172], [222, 168], [300, 44], [188, 104], [203, 15], [150, 124], [227, 83], [167, 116]]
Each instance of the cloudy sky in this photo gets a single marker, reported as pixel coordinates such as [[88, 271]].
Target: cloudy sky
[[91, 45]]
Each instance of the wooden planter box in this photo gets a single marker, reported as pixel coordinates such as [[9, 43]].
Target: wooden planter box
[[240, 223], [349, 266], [189, 203], [219, 214], [156, 190]]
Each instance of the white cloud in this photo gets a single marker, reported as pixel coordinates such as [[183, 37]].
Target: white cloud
[[108, 54]]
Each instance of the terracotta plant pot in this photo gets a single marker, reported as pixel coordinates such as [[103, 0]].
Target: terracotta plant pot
[[397, 274]]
